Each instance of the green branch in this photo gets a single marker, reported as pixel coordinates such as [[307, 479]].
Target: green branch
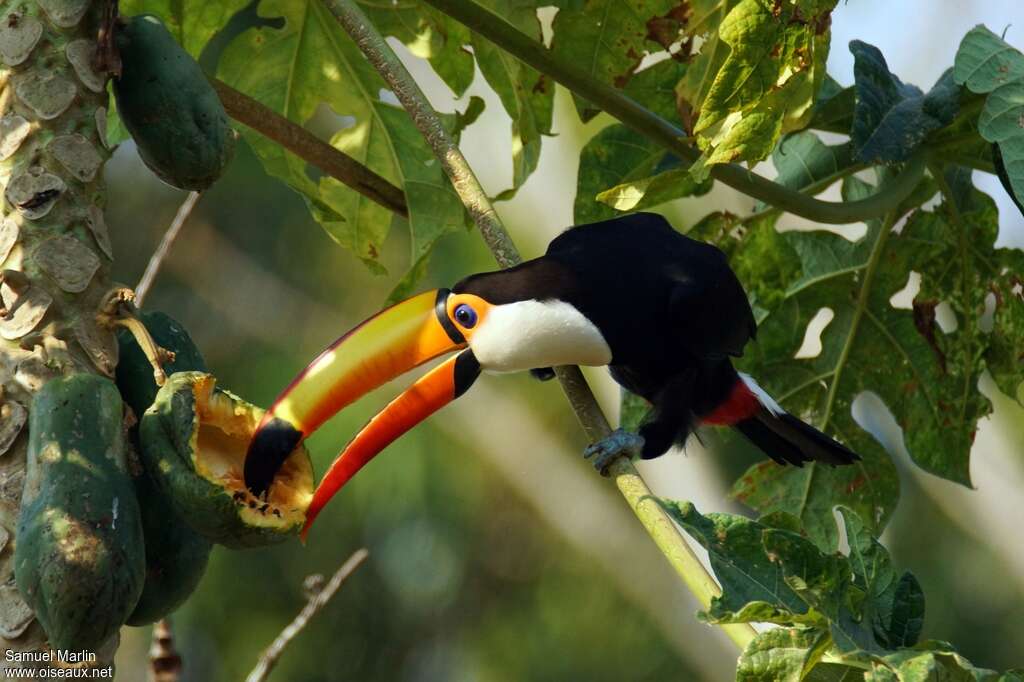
[[649, 124], [630, 484]]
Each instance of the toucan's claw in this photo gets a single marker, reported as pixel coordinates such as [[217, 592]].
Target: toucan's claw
[[619, 444]]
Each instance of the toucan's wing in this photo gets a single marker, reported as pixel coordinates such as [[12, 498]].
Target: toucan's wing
[[711, 314]]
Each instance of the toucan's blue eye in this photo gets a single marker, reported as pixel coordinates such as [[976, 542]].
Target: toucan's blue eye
[[465, 315]]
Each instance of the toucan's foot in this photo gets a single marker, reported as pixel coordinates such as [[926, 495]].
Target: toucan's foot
[[619, 444]]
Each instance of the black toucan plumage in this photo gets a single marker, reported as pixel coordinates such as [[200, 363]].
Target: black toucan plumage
[[663, 311]]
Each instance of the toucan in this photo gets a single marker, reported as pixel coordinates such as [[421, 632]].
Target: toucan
[[663, 311]]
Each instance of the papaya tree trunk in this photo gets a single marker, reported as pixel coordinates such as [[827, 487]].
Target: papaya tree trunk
[[54, 251]]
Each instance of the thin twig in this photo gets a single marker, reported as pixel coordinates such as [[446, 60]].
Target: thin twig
[[157, 259], [316, 602], [310, 148], [164, 660], [630, 484]]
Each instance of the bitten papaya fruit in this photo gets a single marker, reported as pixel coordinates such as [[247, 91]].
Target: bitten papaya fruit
[[176, 555], [169, 107], [194, 440], [79, 559]]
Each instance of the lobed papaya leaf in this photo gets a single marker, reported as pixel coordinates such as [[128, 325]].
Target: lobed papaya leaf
[[926, 377], [891, 118], [305, 61]]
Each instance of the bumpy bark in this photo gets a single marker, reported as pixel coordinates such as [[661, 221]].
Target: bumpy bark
[[54, 250]]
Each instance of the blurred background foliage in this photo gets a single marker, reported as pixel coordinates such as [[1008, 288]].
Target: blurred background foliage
[[496, 553]]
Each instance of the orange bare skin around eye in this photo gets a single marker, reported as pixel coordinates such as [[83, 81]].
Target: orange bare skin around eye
[[478, 304]]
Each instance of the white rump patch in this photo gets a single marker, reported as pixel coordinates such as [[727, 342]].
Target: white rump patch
[[766, 400], [526, 334]]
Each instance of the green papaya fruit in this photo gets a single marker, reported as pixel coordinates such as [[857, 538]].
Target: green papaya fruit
[[176, 555], [79, 559], [194, 440], [169, 107], [134, 371]]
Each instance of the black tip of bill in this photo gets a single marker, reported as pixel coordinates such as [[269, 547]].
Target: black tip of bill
[[269, 449]]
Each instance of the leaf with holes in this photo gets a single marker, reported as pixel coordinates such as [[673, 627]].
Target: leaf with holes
[[891, 118], [928, 379], [309, 62], [769, 81], [961, 266]]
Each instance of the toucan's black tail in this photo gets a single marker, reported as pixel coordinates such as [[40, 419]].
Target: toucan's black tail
[[787, 440]]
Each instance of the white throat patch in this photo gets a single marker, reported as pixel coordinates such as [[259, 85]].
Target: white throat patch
[[526, 334]]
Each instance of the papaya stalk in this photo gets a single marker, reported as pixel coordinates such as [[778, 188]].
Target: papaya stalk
[[54, 252]]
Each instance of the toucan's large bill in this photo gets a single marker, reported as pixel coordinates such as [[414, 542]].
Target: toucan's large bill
[[383, 347]]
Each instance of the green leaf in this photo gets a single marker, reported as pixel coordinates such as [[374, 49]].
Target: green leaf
[[632, 412], [894, 607], [778, 655], [763, 259], [704, 20], [960, 143], [753, 585], [527, 95], [464, 119], [608, 38], [987, 65], [865, 327], [891, 118], [428, 34], [308, 62], [191, 22], [769, 81], [928, 666], [803, 161], [833, 110], [654, 190], [618, 155], [985, 62]]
